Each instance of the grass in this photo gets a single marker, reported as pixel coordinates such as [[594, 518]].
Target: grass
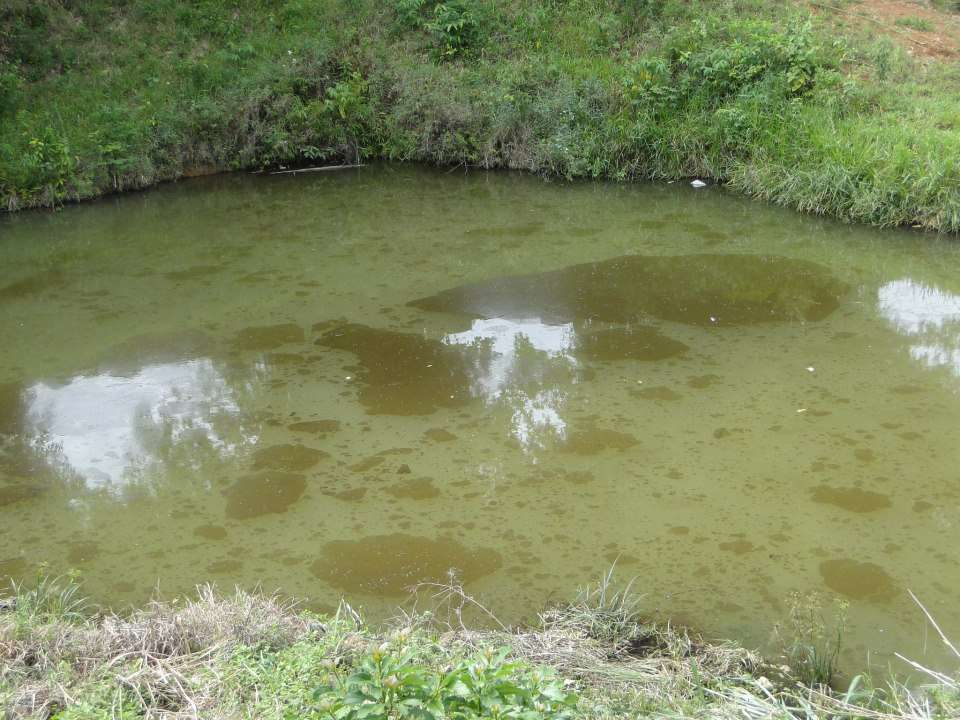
[[915, 22], [253, 655], [777, 102]]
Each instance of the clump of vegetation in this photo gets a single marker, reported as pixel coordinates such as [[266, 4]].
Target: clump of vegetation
[[775, 101], [811, 644], [251, 655], [915, 22]]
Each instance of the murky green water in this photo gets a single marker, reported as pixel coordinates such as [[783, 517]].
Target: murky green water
[[346, 383]]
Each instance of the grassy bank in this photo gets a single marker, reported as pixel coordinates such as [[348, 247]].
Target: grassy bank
[[249, 655], [808, 105]]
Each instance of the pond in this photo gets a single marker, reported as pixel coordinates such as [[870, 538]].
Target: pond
[[346, 383]]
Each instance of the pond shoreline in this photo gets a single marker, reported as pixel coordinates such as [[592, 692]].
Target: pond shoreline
[[775, 101], [253, 655]]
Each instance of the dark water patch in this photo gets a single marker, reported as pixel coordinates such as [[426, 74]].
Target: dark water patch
[[315, 427], [268, 337], [701, 382], [387, 565], [853, 499], [263, 493], [858, 580], [82, 552], [283, 359], [657, 393], [288, 456], [37, 284], [578, 477], [15, 492], [210, 532], [13, 567], [439, 435], [403, 373], [132, 354], [193, 273], [367, 464], [634, 342], [414, 489], [591, 441], [738, 547], [348, 495], [523, 230], [703, 290], [223, 567], [11, 408], [907, 389]]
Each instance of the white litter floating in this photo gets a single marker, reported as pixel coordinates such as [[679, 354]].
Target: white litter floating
[[698, 184]]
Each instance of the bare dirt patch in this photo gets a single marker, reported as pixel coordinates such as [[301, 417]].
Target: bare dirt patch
[[923, 30]]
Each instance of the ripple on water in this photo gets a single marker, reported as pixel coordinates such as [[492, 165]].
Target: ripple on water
[[263, 493], [702, 290], [390, 564]]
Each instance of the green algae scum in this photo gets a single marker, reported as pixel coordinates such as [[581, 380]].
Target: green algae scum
[[351, 383]]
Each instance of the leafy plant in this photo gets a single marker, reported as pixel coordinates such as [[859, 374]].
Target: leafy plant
[[454, 27], [395, 680]]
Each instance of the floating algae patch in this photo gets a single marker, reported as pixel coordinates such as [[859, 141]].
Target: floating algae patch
[[701, 290], [16, 492], [853, 499], [132, 354], [636, 342], [403, 373], [439, 435], [210, 532], [267, 337], [315, 427], [591, 441], [34, 285], [857, 580], [414, 489], [263, 493], [11, 408], [288, 456], [657, 392], [387, 565]]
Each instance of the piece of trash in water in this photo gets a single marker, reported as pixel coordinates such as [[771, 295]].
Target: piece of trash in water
[[698, 184], [801, 410], [811, 369]]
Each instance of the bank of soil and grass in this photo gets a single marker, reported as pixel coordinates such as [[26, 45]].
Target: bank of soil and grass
[[257, 656], [823, 107]]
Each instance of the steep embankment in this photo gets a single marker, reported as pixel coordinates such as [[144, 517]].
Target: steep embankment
[[850, 109]]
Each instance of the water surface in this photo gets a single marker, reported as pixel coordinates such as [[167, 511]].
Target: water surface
[[347, 383]]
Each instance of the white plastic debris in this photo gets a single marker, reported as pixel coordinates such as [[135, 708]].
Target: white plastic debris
[[698, 184]]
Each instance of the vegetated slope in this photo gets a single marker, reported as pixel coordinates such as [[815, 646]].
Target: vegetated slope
[[254, 656], [824, 107]]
